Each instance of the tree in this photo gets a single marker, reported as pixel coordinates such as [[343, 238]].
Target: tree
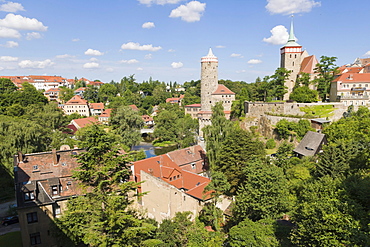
[[262, 194], [304, 95], [127, 123], [323, 218], [216, 133], [66, 93], [277, 83], [326, 70], [107, 92], [186, 131], [102, 216], [249, 233], [7, 86], [235, 152]]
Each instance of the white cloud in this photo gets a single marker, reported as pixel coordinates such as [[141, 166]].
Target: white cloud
[[220, 46], [241, 71], [131, 61], [236, 55], [137, 46], [367, 53], [177, 65], [92, 52], [90, 65], [33, 35], [159, 2], [190, 12], [11, 44], [35, 64], [254, 61], [11, 7], [94, 59], [148, 25], [75, 40], [22, 23], [109, 69], [8, 59], [287, 7], [279, 36], [171, 50], [64, 56], [148, 56], [9, 33], [139, 69]]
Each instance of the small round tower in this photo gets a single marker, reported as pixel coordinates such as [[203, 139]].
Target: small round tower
[[209, 80]]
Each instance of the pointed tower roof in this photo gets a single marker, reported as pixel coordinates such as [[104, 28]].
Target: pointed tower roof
[[292, 39], [210, 57]]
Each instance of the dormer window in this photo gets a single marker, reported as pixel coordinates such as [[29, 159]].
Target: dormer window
[[29, 196], [54, 190], [35, 167]]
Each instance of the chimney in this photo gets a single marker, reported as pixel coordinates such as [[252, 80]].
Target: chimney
[[55, 157], [20, 157]]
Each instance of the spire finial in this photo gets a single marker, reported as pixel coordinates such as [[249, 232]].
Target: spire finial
[[291, 34]]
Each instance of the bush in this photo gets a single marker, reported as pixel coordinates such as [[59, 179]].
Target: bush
[[270, 144]]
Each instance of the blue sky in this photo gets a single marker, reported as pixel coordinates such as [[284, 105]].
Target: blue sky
[[165, 39]]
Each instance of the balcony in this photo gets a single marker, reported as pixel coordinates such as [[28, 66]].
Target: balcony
[[358, 89]]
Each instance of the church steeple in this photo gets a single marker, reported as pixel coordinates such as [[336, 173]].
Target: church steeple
[[292, 39]]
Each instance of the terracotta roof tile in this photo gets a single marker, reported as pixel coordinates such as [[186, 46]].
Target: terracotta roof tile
[[353, 77], [96, 105], [76, 100], [134, 107], [222, 89], [194, 105], [309, 64], [83, 122]]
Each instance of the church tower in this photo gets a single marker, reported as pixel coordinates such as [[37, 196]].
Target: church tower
[[209, 80], [290, 59]]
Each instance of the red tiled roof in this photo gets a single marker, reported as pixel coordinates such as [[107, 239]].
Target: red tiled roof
[[222, 89], [194, 105], [80, 89], [166, 169], [309, 64], [76, 100], [353, 77], [52, 90], [134, 107], [96, 83], [96, 106], [106, 113], [83, 122], [172, 100]]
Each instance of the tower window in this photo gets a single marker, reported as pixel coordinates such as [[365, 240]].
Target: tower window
[[293, 63], [290, 56], [295, 56]]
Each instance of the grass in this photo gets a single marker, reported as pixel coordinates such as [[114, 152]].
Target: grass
[[271, 151], [320, 111], [164, 144], [12, 239]]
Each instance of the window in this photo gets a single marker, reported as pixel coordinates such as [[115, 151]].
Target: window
[[56, 211], [35, 238], [29, 196], [54, 190], [32, 217], [35, 167], [192, 165]]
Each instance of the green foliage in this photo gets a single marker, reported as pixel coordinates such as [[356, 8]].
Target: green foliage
[[355, 127], [270, 144], [127, 124], [249, 233], [304, 95], [277, 83], [180, 231], [287, 129], [326, 70], [173, 126], [262, 194], [66, 94], [107, 92], [7, 86], [323, 219], [103, 217], [236, 151], [216, 133]]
